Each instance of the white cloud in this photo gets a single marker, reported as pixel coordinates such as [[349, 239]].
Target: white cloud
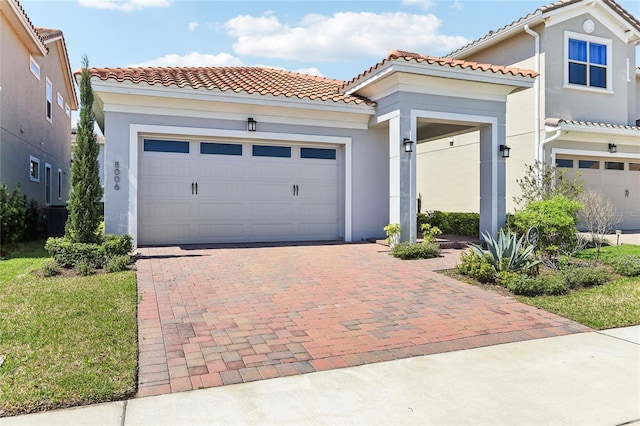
[[310, 71], [193, 26], [457, 4], [193, 59], [424, 4], [342, 36], [124, 5], [245, 25]]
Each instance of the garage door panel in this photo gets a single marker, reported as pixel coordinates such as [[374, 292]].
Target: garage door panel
[[240, 198], [164, 234], [164, 167], [220, 212]]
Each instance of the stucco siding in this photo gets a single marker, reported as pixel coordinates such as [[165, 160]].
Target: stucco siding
[[369, 166], [573, 103], [24, 128]]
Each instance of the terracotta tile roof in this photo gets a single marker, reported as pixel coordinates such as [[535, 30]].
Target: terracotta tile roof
[[632, 20], [395, 55], [30, 26], [555, 122], [251, 80], [46, 34]]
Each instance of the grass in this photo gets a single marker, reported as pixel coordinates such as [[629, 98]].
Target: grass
[[611, 305], [66, 340]]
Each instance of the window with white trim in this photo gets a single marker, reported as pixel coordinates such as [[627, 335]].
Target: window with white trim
[[49, 103], [67, 110], [47, 184], [34, 169], [59, 184], [34, 67], [60, 101], [587, 62]]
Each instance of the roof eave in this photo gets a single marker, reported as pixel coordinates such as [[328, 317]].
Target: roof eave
[[500, 35], [582, 128], [25, 29]]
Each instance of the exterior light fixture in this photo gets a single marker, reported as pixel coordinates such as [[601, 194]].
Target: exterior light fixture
[[505, 150], [408, 145], [252, 125], [613, 148]]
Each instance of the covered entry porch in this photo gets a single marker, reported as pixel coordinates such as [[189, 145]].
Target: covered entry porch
[[421, 98]]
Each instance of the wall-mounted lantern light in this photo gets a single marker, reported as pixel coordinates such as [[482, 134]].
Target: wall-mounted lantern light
[[613, 148], [408, 145], [505, 150], [252, 125]]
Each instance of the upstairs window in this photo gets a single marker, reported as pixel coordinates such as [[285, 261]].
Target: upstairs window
[[34, 169], [49, 100], [60, 101], [588, 62], [34, 67]]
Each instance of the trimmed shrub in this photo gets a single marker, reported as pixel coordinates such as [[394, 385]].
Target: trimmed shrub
[[408, 250], [505, 278], [429, 233], [118, 263], [538, 286], [476, 266], [82, 268], [627, 265], [117, 245], [13, 212], [68, 254], [457, 223], [556, 220], [50, 268], [578, 276]]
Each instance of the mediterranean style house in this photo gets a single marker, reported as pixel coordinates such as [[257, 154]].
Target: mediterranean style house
[[37, 95], [582, 115]]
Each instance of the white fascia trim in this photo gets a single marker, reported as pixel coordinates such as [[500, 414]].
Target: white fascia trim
[[493, 121], [270, 118], [598, 130], [388, 116], [380, 73], [227, 97], [533, 20], [442, 91], [27, 26], [602, 13], [137, 130], [588, 153], [445, 71]]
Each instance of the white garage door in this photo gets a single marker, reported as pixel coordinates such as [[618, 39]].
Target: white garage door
[[617, 178], [218, 192]]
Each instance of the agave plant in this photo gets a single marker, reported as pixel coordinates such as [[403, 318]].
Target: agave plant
[[506, 253]]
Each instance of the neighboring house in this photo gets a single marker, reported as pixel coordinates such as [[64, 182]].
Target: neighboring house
[[37, 95], [248, 154], [588, 94]]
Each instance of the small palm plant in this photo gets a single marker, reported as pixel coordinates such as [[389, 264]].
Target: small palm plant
[[506, 253]]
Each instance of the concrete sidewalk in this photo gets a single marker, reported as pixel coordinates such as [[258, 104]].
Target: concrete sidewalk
[[578, 379]]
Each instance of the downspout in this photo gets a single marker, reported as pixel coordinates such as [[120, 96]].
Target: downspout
[[556, 135], [538, 156]]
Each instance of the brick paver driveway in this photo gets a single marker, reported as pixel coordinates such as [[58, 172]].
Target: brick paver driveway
[[211, 316]]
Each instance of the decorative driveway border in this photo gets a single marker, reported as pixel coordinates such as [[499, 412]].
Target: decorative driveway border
[[218, 315]]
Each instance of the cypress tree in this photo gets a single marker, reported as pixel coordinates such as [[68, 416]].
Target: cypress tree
[[86, 192]]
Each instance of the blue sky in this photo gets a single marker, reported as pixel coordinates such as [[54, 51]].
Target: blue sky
[[337, 39]]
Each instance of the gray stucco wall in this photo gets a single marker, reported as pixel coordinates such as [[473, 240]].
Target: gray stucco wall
[[22, 106], [588, 105], [369, 166]]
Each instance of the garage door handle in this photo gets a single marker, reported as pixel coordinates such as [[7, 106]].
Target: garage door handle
[[192, 188], [297, 191], [196, 188]]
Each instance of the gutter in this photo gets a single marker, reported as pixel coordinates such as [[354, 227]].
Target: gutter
[[539, 153]]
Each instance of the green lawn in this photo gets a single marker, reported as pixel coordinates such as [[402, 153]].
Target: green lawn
[[612, 305], [66, 340]]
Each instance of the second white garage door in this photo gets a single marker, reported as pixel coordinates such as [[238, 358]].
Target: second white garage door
[[218, 192]]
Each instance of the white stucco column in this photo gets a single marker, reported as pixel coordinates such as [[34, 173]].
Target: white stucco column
[[402, 178], [493, 211]]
